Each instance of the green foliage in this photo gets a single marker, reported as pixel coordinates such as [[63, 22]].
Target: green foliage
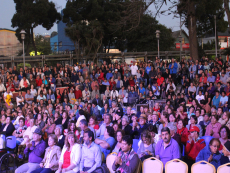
[[32, 13], [43, 45], [21, 65], [143, 38], [94, 25]]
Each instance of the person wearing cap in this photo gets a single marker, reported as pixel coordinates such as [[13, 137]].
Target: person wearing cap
[[125, 125], [138, 129], [194, 145], [167, 148], [226, 151], [35, 150], [116, 74]]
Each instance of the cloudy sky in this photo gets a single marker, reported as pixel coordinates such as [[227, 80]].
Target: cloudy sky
[[7, 10]]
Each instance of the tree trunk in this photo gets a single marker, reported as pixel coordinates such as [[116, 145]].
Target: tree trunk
[[35, 48], [226, 7], [192, 31]]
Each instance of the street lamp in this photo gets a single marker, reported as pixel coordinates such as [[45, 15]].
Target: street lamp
[[180, 40], [23, 35], [158, 36]]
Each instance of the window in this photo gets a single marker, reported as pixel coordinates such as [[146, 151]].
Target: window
[[60, 44]]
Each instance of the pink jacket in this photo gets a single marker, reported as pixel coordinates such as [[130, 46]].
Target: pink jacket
[[215, 128]]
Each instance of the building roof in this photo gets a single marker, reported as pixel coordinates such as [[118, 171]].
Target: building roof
[[2, 29], [176, 34]]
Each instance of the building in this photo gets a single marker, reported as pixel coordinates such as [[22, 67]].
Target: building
[[60, 43], [223, 39], [9, 43], [54, 44], [185, 40]]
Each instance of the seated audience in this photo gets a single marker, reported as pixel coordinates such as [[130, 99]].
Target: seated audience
[[35, 150], [49, 163], [127, 160], [147, 146], [91, 157], [107, 141], [211, 153], [167, 148], [70, 156]]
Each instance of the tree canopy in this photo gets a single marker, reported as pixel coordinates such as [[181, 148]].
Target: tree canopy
[[32, 13]]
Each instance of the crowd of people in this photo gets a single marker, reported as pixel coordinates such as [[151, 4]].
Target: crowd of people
[[74, 129]]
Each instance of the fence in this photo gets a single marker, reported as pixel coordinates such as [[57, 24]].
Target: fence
[[123, 55]]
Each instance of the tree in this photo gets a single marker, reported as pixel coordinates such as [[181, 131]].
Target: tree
[[75, 33], [31, 13], [199, 18], [143, 37]]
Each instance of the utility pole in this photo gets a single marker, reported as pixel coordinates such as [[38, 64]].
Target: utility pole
[[215, 36]]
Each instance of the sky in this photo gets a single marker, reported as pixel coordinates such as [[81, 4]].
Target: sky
[[7, 10]]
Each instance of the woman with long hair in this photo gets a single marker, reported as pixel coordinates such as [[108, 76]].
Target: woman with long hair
[[71, 155]]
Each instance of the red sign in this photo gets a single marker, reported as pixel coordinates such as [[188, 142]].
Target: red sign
[[184, 46]]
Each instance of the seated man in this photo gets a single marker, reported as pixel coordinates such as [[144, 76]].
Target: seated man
[[91, 153], [167, 148], [127, 159], [36, 150], [107, 141]]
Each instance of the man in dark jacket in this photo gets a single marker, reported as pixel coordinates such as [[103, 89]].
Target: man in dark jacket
[[74, 78], [152, 76]]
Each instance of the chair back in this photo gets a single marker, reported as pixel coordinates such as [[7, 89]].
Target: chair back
[[224, 168], [207, 139], [139, 167], [11, 142], [135, 144], [110, 160], [152, 165], [203, 167], [177, 166]]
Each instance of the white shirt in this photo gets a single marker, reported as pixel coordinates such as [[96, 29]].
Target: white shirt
[[199, 98], [134, 69]]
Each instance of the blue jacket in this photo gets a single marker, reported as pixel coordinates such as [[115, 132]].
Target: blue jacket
[[174, 69], [205, 153], [109, 75]]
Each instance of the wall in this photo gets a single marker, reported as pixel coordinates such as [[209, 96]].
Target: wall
[[64, 42], [9, 44]]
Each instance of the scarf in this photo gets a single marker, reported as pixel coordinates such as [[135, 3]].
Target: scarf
[[180, 131]]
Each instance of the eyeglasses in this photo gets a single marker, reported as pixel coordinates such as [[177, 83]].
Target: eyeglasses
[[223, 132]]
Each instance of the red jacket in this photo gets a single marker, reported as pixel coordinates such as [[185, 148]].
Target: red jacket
[[78, 94], [193, 149], [112, 84], [38, 82], [160, 81]]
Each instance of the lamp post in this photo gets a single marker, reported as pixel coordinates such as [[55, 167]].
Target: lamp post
[[158, 36], [23, 35], [180, 39], [215, 36]]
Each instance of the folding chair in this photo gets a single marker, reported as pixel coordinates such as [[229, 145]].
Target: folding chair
[[177, 166], [152, 165], [203, 167]]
